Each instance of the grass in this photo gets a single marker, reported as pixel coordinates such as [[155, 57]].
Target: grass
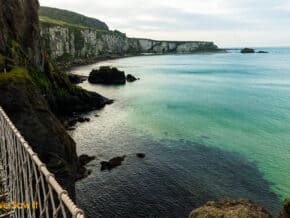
[[47, 20], [15, 76]]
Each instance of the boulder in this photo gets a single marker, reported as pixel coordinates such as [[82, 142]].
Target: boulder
[[228, 208], [112, 163], [248, 50], [131, 78], [107, 76]]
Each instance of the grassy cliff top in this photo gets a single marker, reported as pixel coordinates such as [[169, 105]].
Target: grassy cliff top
[[47, 20], [64, 17]]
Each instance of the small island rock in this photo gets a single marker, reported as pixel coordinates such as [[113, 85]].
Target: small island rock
[[107, 76], [248, 50]]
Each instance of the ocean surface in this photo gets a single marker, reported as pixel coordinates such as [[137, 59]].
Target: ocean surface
[[212, 126]]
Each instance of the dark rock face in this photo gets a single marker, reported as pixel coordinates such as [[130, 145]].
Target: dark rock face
[[112, 163], [108, 76], [19, 22], [230, 209], [131, 78], [285, 213], [247, 50]]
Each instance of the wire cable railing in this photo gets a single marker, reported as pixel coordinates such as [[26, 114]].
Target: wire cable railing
[[27, 186]]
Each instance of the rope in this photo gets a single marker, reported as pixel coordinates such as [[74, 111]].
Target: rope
[[29, 187]]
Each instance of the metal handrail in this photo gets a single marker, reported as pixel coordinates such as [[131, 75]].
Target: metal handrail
[[32, 190]]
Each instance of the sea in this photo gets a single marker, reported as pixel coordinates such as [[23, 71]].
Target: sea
[[212, 126]]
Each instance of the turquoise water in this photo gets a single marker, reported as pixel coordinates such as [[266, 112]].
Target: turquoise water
[[201, 118]]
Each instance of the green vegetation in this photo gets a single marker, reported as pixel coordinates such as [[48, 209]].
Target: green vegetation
[[72, 18], [47, 20], [17, 75], [17, 53], [20, 70]]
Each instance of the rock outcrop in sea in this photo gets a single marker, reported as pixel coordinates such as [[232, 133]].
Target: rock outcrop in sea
[[108, 76], [247, 50]]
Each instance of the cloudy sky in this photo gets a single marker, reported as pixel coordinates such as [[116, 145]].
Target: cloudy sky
[[226, 22]]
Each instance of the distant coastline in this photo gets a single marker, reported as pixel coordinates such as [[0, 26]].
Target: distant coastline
[[71, 40]]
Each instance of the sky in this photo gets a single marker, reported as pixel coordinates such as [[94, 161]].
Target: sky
[[228, 23]]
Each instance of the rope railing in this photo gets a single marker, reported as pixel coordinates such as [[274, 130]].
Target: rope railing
[[29, 189]]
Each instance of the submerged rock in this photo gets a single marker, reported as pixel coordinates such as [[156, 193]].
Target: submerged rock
[[131, 78], [248, 50], [262, 52], [112, 163], [228, 208], [108, 76], [140, 155]]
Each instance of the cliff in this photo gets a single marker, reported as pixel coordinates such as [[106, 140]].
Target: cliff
[[70, 42], [35, 94], [19, 21]]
